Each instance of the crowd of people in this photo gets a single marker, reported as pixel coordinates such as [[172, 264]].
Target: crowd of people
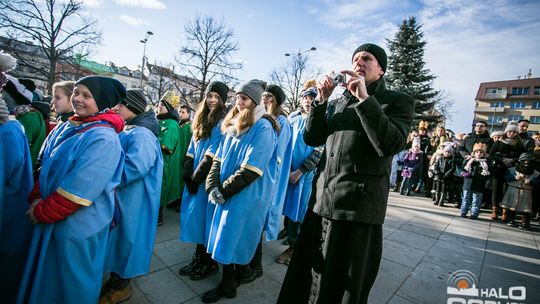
[[89, 169], [498, 171]]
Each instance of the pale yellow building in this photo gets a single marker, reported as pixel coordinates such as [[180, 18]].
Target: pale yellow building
[[500, 102]]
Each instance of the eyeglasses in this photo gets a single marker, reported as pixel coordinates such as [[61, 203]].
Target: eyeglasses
[[267, 95]]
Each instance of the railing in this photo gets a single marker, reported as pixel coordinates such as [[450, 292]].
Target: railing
[[489, 109], [501, 95]]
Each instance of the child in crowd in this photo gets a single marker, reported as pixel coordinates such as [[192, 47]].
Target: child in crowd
[[443, 174], [475, 174], [412, 168]]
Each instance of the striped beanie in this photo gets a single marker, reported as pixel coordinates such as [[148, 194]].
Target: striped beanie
[[135, 101]]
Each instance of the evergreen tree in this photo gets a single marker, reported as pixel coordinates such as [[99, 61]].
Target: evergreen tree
[[407, 73]]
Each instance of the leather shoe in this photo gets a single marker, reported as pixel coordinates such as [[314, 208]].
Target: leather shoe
[[190, 268], [204, 271], [217, 293], [247, 274]]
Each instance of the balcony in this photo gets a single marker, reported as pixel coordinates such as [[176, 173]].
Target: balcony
[[489, 109], [499, 95]]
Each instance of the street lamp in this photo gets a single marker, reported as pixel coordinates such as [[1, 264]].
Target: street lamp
[[143, 41], [301, 52]]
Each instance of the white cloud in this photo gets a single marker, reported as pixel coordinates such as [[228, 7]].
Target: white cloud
[[132, 20], [468, 42], [92, 3], [151, 4]]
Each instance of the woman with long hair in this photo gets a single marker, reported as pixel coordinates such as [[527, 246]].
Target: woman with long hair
[[196, 212], [240, 183], [503, 154], [273, 98]]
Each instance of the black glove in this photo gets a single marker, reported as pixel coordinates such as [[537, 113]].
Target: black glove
[[191, 186]]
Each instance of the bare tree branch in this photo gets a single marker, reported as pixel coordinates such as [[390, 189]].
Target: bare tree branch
[[55, 28], [207, 52], [291, 77]]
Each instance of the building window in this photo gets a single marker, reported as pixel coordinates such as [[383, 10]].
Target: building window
[[535, 119], [520, 91], [514, 117], [536, 90], [494, 90], [536, 105], [497, 104], [494, 119], [517, 105]]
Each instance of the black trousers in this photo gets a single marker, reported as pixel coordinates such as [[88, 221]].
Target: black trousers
[[333, 262]]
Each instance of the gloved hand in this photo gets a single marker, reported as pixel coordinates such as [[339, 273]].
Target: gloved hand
[[191, 186], [216, 197]]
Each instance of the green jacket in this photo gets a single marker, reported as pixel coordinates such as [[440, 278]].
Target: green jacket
[[169, 138], [34, 128]]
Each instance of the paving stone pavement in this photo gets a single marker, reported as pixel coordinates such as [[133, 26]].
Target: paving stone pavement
[[423, 245]]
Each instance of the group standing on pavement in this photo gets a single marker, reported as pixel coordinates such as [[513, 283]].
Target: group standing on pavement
[[86, 190], [477, 171]]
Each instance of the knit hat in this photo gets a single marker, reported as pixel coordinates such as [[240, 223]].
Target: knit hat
[[218, 87], [449, 149], [135, 101], [253, 89], [277, 92], [511, 127], [497, 133], [107, 91], [525, 157], [310, 92], [376, 51]]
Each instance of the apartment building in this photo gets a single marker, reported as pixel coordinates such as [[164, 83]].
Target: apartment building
[[500, 102]]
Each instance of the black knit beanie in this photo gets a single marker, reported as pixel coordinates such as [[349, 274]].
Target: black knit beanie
[[376, 51], [277, 92], [135, 101], [107, 91], [253, 89], [218, 87]]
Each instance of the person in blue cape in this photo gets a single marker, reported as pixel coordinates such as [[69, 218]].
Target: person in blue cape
[[81, 165], [273, 98], [130, 244], [196, 212], [302, 170], [279, 165], [16, 182], [239, 183]]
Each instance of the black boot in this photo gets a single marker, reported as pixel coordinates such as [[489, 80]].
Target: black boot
[[226, 288], [195, 262], [160, 216], [436, 199], [249, 273], [207, 268]]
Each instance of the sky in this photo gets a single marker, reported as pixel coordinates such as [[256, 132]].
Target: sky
[[468, 41]]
